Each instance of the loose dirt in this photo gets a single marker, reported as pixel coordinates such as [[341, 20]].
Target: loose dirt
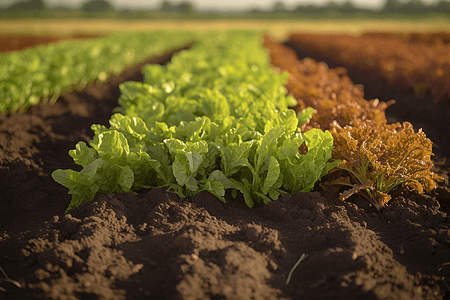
[[155, 245]]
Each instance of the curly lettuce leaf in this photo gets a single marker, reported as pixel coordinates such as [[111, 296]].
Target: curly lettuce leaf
[[385, 156]]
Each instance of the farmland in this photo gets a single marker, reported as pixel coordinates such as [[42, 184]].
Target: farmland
[[278, 28], [187, 244]]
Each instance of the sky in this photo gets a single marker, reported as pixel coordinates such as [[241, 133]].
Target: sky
[[213, 4]]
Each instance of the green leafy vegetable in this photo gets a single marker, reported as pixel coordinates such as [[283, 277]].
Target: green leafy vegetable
[[204, 123], [45, 72]]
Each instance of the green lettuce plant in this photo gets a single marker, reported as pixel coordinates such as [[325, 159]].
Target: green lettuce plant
[[45, 72], [217, 131]]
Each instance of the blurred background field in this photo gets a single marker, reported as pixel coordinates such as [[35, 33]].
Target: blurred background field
[[278, 17], [278, 28]]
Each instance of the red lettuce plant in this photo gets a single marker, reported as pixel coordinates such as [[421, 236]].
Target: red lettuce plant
[[376, 159]]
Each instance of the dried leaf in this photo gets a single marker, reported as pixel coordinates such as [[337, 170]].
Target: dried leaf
[[355, 189]]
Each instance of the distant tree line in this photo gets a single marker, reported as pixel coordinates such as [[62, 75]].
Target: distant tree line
[[183, 7], [28, 5], [348, 7], [33, 5], [278, 7], [415, 7]]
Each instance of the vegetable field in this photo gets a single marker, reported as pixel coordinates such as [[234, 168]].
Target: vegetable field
[[224, 165]]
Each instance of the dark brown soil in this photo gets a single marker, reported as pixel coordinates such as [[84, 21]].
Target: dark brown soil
[[14, 42], [158, 246]]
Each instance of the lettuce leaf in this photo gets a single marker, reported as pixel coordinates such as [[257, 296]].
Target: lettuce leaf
[[216, 118]]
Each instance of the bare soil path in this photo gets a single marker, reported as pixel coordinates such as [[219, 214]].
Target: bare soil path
[[14, 42]]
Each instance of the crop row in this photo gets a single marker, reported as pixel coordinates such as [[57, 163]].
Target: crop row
[[423, 66], [45, 72], [433, 38], [215, 118], [376, 157]]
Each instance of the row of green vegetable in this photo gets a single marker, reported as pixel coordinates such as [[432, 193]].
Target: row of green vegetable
[[43, 73], [216, 118]]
